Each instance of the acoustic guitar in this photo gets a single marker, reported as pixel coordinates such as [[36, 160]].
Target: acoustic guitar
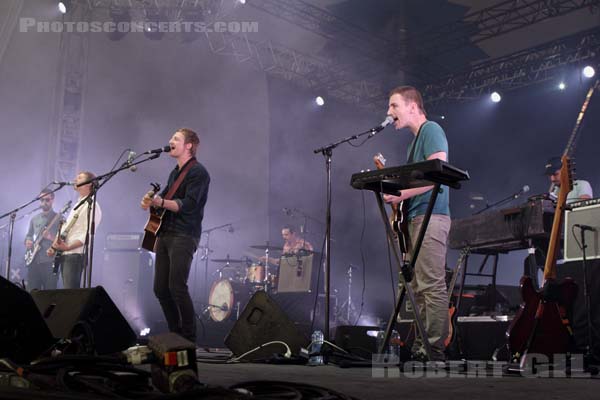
[[154, 221]]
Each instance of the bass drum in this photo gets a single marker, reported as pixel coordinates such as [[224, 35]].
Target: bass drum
[[227, 299]]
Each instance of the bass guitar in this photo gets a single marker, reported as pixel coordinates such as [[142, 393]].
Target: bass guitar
[[542, 325], [154, 221], [37, 243], [397, 221]]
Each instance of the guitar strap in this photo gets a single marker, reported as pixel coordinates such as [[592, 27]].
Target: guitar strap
[[411, 156], [180, 178]]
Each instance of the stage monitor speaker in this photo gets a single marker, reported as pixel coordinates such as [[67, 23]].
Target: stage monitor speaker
[[262, 321], [23, 333], [70, 313], [588, 215], [297, 273]]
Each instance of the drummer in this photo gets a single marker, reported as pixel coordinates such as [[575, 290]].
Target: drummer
[[293, 244]]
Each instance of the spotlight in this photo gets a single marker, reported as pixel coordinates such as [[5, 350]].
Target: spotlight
[[495, 97], [320, 101], [145, 332], [589, 71], [442, 117], [562, 86], [64, 6], [242, 1]]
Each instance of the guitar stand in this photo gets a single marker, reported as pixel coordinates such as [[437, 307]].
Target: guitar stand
[[407, 270]]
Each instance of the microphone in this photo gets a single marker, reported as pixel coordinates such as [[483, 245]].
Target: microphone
[[523, 190], [130, 159], [63, 183], [388, 120], [287, 211], [166, 148], [585, 227]]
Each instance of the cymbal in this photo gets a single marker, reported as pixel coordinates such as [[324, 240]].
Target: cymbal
[[264, 247], [227, 260]]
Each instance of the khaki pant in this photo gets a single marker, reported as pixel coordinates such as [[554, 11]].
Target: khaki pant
[[429, 282]]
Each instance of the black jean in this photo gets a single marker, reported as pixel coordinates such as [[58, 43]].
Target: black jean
[[174, 255]]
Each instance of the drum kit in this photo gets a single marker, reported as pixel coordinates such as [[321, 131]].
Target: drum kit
[[238, 279]]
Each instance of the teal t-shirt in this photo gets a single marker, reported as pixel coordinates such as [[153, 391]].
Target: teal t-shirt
[[431, 139]]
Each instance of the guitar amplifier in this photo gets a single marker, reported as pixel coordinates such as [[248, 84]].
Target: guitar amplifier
[[123, 241], [296, 273], [586, 215]]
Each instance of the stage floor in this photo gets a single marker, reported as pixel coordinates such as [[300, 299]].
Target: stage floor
[[367, 383]]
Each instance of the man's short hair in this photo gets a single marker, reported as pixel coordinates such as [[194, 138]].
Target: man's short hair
[[189, 136], [409, 93], [88, 175], [289, 228], [46, 192]]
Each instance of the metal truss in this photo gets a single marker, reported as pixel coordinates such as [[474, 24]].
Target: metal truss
[[172, 10], [494, 21], [8, 23], [517, 70], [65, 135]]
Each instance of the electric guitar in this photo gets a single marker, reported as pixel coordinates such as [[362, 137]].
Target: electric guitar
[[35, 248], [154, 221], [397, 221], [452, 311], [542, 325], [61, 235]]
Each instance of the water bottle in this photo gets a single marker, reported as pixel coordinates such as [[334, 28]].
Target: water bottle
[[394, 343], [317, 343]]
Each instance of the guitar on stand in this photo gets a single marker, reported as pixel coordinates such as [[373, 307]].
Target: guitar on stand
[[154, 221], [542, 325], [36, 247], [453, 307]]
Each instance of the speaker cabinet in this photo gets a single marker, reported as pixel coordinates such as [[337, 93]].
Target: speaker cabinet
[[23, 333], [297, 273], [128, 277], [263, 321], [87, 312]]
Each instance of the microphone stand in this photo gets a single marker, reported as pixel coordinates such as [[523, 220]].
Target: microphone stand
[[589, 355], [504, 200], [327, 152], [88, 251], [11, 225]]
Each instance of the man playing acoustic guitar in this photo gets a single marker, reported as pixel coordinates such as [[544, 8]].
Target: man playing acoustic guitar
[[178, 236]]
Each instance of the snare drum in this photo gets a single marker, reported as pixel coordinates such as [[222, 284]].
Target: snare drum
[[227, 298], [255, 273]]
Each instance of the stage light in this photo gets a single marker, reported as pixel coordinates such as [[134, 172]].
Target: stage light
[[495, 97], [442, 117], [145, 332], [242, 1], [320, 101], [589, 71], [562, 86], [64, 6]]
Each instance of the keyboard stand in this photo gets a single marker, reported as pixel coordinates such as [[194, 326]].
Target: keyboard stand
[[406, 288]]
